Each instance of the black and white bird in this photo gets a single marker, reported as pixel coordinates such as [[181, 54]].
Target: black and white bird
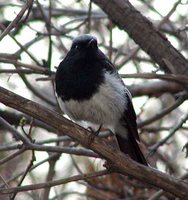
[[89, 89]]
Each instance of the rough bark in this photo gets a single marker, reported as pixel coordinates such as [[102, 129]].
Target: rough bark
[[142, 31], [122, 164]]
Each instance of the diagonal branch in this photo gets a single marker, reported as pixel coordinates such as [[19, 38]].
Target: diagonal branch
[[172, 131], [17, 19], [142, 31], [119, 162]]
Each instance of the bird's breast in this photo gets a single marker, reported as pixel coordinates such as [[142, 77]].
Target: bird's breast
[[105, 106]]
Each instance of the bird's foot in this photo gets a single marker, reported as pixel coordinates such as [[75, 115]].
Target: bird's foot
[[93, 134]]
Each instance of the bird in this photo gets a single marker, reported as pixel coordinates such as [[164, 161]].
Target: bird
[[89, 88]]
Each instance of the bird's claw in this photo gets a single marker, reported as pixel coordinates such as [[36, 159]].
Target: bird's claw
[[93, 134]]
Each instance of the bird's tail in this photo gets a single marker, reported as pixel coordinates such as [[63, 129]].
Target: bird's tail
[[130, 146]]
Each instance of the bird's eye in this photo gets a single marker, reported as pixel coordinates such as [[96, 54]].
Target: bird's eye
[[77, 47]]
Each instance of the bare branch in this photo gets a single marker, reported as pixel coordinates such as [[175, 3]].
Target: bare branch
[[53, 183], [172, 131], [126, 17], [17, 19], [165, 111], [123, 164]]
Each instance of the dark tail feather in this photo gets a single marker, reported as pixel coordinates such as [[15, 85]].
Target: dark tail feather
[[130, 146]]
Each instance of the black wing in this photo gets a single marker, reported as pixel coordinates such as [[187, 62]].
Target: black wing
[[130, 145]]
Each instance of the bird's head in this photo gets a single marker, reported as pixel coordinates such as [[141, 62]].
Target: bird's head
[[84, 45], [84, 42]]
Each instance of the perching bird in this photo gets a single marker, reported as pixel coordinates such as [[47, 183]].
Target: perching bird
[[89, 89]]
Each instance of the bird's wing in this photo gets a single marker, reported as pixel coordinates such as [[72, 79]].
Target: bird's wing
[[130, 144], [129, 117]]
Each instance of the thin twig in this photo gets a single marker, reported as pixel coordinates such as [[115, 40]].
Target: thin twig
[[169, 77], [17, 71], [16, 19], [51, 174], [12, 156], [157, 195], [4, 181], [15, 133], [33, 167], [172, 131], [25, 173], [89, 17], [164, 112], [21, 46], [53, 183], [28, 66]]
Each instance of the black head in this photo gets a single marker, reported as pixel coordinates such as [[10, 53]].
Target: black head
[[84, 41], [84, 45]]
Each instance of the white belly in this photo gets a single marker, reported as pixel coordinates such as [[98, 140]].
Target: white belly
[[104, 107]]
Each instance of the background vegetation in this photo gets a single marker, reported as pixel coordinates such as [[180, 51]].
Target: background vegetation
[[149, 48]]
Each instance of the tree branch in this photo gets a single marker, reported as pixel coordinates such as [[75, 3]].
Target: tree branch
[[17, 19], [142, 31], [53, 183], [123, 164]]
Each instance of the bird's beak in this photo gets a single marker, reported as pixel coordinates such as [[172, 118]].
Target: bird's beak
[[92, 43]]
